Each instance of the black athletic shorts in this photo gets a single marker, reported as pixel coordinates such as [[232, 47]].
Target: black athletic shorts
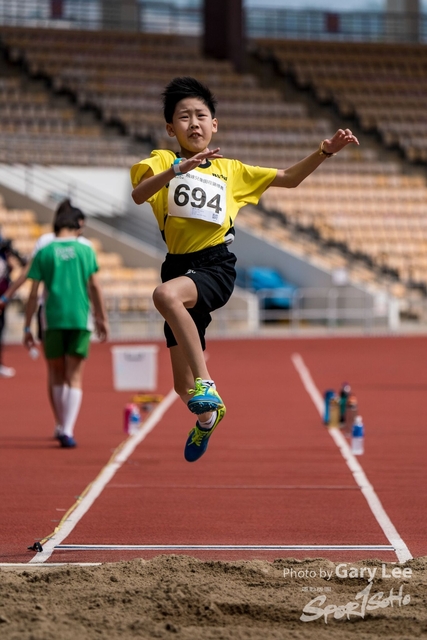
[[212, 270]]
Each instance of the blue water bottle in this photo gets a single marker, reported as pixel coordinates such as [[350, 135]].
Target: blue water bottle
[[329, 394], [358, 437]]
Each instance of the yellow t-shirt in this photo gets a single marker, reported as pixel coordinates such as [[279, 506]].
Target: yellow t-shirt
[[197, 210]]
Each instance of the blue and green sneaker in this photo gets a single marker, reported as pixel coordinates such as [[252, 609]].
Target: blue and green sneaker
[[198, 439], [205, 398]]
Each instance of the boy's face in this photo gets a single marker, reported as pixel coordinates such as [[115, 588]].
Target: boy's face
[[192, 125]]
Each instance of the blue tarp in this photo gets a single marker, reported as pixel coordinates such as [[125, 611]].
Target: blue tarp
[[259, 278]]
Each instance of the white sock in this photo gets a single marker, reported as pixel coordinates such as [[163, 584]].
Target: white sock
[[211, 383], [71, 410], [208, 424], [65, 392], [58, 400]]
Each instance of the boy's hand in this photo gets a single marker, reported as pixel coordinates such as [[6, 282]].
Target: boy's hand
[[29, 341], [339, 140], [101, 329], [188, 164]]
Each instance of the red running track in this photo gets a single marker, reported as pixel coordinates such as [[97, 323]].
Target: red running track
[[272, 474]]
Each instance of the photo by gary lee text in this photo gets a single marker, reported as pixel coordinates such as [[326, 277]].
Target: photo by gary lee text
[[345, 570]]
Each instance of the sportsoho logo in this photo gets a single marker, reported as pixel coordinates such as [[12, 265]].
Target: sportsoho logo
[[364, 601]]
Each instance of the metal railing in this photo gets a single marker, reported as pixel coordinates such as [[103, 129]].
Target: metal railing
[[329, 309], [358, 26], [332, 307], [48, 186], [37, 182], [311, 308], [187, 19], [146, 323], [81, 14]]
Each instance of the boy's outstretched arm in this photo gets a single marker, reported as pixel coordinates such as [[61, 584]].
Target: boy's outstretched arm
[[294, 175], [30, 310], [101, 322], [151, 184]]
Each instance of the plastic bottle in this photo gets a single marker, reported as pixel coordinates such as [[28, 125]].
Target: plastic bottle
[[344, 395], [334, 411], [358, 437], [129, 408], [134, 420], [328, 395], [350, 415]]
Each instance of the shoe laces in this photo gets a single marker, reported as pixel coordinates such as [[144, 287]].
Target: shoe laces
[[198, 436], [199, 388]]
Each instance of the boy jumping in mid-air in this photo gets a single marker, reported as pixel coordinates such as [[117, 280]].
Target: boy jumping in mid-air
[[195, 196]]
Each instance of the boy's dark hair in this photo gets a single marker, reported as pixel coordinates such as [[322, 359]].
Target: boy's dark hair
[[67, 216], [186, 87]]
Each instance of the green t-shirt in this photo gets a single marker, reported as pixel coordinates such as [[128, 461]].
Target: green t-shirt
[[65, 266]]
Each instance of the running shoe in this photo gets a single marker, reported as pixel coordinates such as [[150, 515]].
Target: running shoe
[[198, 439], [205, 398], [67, 442], [57, 432]]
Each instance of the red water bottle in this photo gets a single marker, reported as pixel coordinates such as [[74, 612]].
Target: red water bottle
[[131, 417]]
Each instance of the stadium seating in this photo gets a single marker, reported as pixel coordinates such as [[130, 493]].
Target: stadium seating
[[381, 217], [37, 128], [289, 238], [356, 201], [383, 85], [101, 71], [374, 212]]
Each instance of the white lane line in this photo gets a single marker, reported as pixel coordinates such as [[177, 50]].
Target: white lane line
[[44, 565], [390, 531], [240, 487], [225, 547], [103, 479]]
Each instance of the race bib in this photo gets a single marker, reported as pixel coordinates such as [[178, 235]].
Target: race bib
[[198, 196]]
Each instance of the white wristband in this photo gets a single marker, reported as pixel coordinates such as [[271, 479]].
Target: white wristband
[[175, 167]]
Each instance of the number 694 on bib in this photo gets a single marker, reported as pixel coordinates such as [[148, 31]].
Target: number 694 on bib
[[203, 202]]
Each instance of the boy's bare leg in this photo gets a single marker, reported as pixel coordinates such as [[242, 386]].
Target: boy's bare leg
[[199, 435], [172, 299], [74, 366], [183, 378], [56, 371]]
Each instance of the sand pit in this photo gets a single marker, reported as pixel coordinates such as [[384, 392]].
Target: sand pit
[[181, 597]]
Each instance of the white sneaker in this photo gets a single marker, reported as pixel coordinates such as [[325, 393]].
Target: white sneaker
[[6, 372]]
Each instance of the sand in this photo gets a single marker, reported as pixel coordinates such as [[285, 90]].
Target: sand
[[181, 597]]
